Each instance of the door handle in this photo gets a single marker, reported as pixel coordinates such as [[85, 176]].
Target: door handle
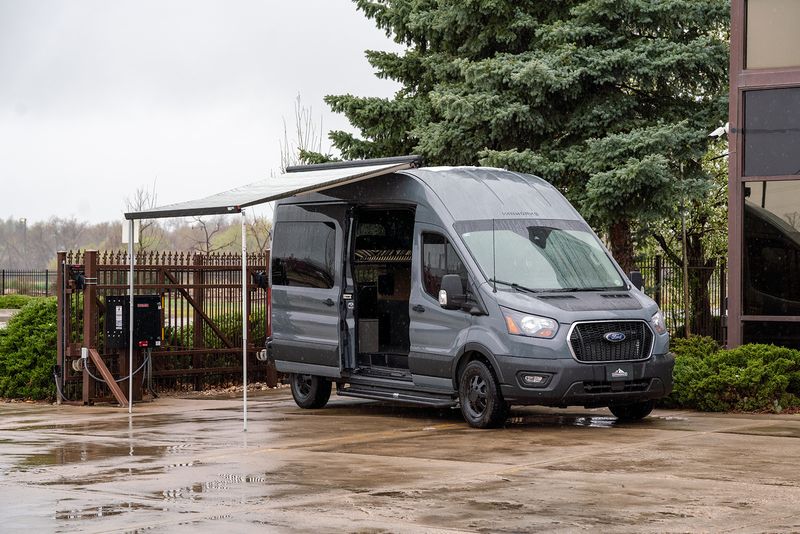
[[328, 302], [418, 308]]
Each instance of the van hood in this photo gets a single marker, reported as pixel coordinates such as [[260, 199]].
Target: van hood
[[618, 304]]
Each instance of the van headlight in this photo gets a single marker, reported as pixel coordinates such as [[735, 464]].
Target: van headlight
[[520, 324], [658, 323]]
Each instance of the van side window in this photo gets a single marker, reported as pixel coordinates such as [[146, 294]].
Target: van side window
[[303, 254], [438, 259]]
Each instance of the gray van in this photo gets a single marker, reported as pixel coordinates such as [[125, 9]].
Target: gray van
[[471, 287]]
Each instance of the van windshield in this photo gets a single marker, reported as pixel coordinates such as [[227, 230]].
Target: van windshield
[[540, 255]]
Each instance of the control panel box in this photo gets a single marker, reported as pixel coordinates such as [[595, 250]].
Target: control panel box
[[147, 321]]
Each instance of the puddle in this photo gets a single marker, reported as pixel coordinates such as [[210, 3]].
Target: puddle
[[96, 512], [72, 453], [223, 483], [592, 421], [775, 431]]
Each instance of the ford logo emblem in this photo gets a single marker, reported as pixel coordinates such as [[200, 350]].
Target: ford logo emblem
[[614, 337]]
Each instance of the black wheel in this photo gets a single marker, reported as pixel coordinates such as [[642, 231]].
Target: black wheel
[[632, 412], [310, 391], [482, 404]]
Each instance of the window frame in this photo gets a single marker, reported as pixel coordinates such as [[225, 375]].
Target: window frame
[[448, 241]]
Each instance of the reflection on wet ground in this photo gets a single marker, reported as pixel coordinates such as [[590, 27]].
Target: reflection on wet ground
[[94, 512], [182, 465], [88, 452]]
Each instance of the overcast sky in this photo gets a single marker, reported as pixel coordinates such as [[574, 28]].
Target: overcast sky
[[99, 97]]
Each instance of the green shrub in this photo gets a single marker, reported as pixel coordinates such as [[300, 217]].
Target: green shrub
[[693, 347], [747, 378], [230, 324], [28, 351], [15, 302]]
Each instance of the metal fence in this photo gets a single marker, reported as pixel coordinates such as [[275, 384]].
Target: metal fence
[[663, 282], [201, 299], [34, 283]]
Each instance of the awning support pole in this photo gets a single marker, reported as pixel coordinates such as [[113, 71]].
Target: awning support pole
[[245, 318], [132, 261]]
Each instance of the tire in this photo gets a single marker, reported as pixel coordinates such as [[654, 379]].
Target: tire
[[310, 391], [632, 412], [479, 395]]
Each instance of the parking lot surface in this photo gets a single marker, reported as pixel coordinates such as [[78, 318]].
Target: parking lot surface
[[184, 465]]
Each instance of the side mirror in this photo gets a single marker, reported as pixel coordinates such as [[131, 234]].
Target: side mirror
[[636, 279], [451, 294]]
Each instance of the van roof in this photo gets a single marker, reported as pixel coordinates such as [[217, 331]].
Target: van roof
[[472, 193]]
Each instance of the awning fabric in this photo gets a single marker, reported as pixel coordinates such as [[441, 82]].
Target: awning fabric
[[285, 185]]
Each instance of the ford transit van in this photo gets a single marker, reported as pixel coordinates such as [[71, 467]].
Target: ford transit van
[[472, 287]]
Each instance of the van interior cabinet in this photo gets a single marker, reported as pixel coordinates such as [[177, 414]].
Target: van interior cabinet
[[382, 272]]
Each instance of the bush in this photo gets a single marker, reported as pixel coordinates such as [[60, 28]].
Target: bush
[[28, 351], [15, 302], [747, 378]]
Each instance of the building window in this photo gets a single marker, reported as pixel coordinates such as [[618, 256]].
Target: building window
[[303, 254], [771, 268], [784, 334], [772, 132], [438, 259], [772, 37]]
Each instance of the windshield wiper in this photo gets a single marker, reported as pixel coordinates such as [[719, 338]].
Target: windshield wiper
[[514, 285]]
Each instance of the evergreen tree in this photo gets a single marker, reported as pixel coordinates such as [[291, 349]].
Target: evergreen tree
[[610, 100]]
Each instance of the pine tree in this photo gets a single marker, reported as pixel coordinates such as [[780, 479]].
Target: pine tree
[[610, 100]]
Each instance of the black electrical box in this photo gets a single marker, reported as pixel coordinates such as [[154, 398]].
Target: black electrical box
[[147, 321]]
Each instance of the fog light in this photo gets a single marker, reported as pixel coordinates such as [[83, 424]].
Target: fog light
[[534, 380]]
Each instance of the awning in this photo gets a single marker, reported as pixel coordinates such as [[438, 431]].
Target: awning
[[302, 179], [315, 178]]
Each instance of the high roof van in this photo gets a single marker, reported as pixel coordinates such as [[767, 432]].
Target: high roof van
[[458, 286]]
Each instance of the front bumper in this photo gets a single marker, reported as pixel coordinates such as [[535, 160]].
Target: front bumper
[[572, 383]]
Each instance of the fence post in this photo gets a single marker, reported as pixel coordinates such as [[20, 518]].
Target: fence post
[[723, 298], [249, 312], [61, 314], [46, 283], [659, 280], [89, 313], [198, 326], [3, 284]]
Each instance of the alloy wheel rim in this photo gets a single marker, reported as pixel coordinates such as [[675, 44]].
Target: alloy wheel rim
[[477, 397], [303, 384]]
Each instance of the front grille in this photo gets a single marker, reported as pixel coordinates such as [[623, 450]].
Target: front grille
[[589, 344]]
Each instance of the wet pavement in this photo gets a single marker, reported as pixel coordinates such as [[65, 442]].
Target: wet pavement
[[184, 465], [5, 316]]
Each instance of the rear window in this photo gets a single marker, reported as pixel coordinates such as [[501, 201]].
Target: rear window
[[303, 254]]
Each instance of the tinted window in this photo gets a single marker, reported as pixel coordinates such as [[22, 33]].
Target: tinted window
[[772, 132], [771, 248], [303, 254], [772, 333], [438, 259]]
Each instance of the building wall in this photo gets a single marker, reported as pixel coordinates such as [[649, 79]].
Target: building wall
[[764, 183]]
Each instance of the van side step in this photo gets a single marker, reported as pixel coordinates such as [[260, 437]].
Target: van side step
[[396, 395]]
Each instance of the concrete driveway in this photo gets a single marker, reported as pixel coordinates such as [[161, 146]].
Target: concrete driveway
[[181, 465], [5, 316]]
